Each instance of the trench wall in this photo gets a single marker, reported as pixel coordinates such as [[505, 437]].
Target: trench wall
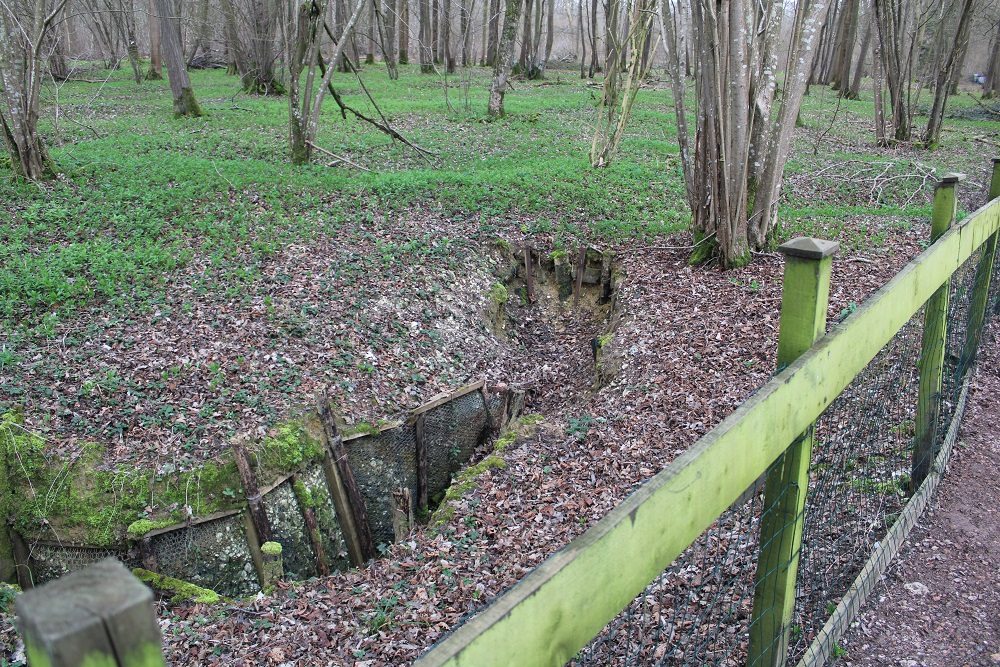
[[221, 550]]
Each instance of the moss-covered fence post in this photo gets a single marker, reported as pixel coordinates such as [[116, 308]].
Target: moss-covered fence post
[[981, 290], [932, 348], [274, 569], [101, 616], [8, 571], [804, 301]]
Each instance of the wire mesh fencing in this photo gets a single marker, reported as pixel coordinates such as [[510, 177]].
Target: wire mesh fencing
[[701, 610]]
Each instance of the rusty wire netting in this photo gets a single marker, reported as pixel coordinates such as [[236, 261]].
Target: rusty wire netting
[[699, 611]]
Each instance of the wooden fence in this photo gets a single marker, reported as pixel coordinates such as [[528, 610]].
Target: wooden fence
[[105, 616], [564, 603]]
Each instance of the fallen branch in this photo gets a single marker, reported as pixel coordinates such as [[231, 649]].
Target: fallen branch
[[994, 111], [337, 158], [382, 126]]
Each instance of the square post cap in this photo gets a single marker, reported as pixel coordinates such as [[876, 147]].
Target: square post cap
[[806, 247], [951, 178]]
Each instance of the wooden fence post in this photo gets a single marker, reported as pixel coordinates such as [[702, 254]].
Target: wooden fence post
[[347, 497], [981, 291], [101, 616], [804, 301], [932, 349]]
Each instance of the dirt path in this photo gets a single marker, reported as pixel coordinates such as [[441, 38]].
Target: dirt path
[[939, 603]]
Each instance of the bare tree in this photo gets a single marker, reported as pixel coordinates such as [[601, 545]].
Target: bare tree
[[185, 103], [946, 71], [24, 27], [504, 59], [305, 99], [621, 83], [899, 27], [744, 126]]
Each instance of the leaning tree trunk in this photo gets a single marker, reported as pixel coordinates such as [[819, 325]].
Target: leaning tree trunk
[[185, 103], [305, 98], [504, 59], [854, 90], [22, 36], [991, 85], [942, 86]]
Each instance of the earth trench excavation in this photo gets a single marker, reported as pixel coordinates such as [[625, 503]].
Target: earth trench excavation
[[320, 492]]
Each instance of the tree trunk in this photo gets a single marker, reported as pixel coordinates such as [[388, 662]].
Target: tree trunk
[[370, 54], [744, 128], [426, 38], [991, 85], [155, 71], [436, 49], [523, 60], [22, 36], [594, 64], [305, 98], [583, 40], [449, 57], [847, 33], [942, 87], [404, 32], [261, 79], [854, 90], [897, 39], [491, 54], [465, 26], [504, 59], [185, 103], [550, 33]]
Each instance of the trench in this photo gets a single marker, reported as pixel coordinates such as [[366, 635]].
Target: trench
[[330, 496]]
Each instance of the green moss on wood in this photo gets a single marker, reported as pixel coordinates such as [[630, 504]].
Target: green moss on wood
[[179, 590], [83, 501], [303, 495], [137, 529], [271, 549]]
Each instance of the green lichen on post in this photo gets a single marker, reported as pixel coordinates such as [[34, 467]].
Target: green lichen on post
[[7, 569], [272, 570], [271, 549], [179, 590]]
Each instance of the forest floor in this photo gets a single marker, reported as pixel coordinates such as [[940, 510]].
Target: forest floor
[[182, 284], [938, 605]]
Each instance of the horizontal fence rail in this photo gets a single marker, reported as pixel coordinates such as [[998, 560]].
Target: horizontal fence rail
[[567, 601]]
